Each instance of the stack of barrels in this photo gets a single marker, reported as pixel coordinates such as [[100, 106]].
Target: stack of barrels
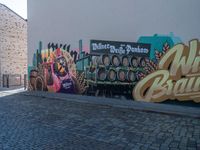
[[116, 68]]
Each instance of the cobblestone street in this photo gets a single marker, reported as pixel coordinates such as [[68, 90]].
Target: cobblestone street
[[39, 123]]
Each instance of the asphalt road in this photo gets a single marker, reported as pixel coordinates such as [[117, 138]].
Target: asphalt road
[[39, 123]]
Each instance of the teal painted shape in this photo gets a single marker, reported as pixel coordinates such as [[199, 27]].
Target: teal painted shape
[[29, 71], [34, 60], [157, 42], [175, 39], [40, 47], [82, 63]]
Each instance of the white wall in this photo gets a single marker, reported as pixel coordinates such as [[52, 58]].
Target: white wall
[[67, 21]]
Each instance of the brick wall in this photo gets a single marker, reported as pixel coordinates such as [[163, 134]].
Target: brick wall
[[13, 43]]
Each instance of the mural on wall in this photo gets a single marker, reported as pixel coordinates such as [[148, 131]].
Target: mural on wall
[[53, 46], [109, 65], [177, 76], [114, 69], [55, 71]]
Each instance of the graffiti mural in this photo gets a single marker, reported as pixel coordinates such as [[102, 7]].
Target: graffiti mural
[[66, 47], [177, 76], [116, 69], [55, 71], [59, 69]]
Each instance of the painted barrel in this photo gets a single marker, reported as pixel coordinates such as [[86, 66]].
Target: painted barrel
[[125, 61], [33, 75], [121, 74], [39, 84], [142, 62], [134, 61], [101, 73], [112, 74], [95, 60], [115, 60], [131, 76], [105, 59]]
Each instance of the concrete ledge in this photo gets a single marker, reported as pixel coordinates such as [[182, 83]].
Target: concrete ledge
[[185, 111]]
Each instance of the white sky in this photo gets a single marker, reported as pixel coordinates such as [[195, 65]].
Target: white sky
[[18, 6]]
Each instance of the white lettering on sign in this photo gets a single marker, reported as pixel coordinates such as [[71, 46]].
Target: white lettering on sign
[[123, 48]]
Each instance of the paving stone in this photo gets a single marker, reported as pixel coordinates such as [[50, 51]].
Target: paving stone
[[174, 144], [38, 123]]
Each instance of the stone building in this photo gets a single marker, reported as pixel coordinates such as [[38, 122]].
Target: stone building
[[13, 45]]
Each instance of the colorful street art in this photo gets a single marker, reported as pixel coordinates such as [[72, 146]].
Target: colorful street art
[[177, 76], [115, 68], [55, 71]]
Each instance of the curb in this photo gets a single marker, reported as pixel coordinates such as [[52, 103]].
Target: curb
[[168, 109]]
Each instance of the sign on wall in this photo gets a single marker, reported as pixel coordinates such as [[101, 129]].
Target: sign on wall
[[125, 48]]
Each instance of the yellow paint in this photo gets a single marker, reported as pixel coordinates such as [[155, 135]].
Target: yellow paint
[[177, 77]]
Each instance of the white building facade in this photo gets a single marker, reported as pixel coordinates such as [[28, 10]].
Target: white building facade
[[68, 21], [126, 40]]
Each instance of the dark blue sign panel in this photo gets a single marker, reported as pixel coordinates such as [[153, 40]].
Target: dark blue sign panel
[[122, 48]]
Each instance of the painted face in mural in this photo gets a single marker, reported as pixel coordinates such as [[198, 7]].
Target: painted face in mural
[[62, 72], [60, 66]]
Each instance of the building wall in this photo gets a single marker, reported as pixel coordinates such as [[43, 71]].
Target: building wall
[[13, 42], [71, 20], [119, 67]]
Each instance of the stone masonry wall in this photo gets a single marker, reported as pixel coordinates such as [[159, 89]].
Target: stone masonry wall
[[13, 43]]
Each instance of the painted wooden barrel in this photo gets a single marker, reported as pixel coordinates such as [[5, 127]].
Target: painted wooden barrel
[[39, 84], [125, 61], [33, 73], [121, 74], [101, 73], [95, 60], [115, 60], [33, 76], [105, 59], [131, 77], [134, 61], [112, 74], [142, 62]]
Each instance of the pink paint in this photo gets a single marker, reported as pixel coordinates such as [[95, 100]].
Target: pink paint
[[86, 49]]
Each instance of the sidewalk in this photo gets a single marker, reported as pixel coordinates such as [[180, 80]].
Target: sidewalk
[[10, 91], [170, 109], [11, 88]]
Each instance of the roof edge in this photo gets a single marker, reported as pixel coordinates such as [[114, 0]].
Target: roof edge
[[13, 11]]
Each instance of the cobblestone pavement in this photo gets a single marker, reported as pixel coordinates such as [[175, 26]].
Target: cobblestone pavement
[[39, 123]]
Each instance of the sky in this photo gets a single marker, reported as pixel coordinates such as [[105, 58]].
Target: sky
[[18, 6]]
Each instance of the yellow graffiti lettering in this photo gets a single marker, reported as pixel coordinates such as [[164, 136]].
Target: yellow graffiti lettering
[[177, 77], [152, 86]]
